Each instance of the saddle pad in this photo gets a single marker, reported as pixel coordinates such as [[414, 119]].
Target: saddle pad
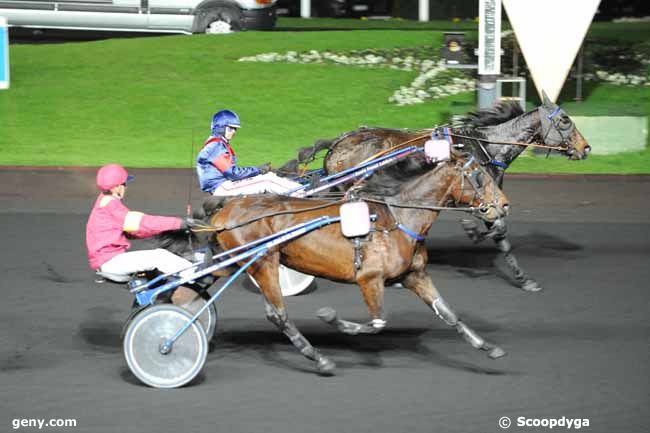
[[437, 150], [355, 219]]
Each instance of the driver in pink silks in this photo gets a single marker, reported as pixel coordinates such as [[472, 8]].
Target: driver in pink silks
[[216, 164], [111, 222]]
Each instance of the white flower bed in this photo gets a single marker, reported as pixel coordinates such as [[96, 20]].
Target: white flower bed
[[433, 82], [621, 79]]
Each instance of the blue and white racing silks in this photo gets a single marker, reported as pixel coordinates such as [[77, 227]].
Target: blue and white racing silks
[[216, 163]]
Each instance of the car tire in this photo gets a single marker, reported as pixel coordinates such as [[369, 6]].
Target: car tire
[[330, 9], [220, 20]]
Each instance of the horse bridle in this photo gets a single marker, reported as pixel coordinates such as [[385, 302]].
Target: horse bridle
[[551, 121], [473, 177]]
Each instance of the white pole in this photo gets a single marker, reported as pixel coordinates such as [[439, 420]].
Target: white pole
[[423, 10], [305, 8], [489, 51], [4, 54]]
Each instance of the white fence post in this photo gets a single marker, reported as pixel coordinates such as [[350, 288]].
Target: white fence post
[[305, 8]]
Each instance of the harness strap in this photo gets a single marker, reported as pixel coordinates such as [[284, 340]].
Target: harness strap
[[554, 112], [222, 141], [410, 232], [498, 163], [398, 224]]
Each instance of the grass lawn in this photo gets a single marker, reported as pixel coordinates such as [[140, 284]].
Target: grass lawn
[[147, 102]]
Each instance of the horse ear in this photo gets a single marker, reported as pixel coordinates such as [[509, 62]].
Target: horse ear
[[545, 100]]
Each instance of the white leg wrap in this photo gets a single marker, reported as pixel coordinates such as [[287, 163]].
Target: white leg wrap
[[444, 311], [378, 323]]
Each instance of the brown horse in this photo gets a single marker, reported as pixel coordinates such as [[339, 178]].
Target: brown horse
[[393, 251], [495, 136]]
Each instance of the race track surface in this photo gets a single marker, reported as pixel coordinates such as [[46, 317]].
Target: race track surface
[[580, 349]]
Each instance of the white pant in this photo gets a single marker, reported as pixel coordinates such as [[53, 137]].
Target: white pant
[[268, 182], [131, 262]]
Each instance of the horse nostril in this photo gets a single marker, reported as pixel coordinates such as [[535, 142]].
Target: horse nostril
[[506, 208], [587, 150]]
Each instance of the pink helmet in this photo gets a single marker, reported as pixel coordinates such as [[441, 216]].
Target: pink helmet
[[112, 175]]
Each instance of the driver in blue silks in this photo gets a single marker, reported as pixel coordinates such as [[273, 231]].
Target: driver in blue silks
[[216, 164]]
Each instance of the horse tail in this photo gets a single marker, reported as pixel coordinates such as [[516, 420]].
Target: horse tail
[[180, 242], [211, 206], [184, 242], [305, 156]]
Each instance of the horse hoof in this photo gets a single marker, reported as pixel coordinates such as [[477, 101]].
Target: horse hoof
[[326, 367], [496, 352], [531, 286], [326, 314]]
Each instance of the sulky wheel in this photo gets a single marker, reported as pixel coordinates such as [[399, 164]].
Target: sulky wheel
[[145, 337], [291, 282], [208, 319]]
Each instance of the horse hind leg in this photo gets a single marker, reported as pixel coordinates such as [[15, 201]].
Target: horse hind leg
[[372, 289], [423, 287], [280, 319], [329, 316], [266, 274]]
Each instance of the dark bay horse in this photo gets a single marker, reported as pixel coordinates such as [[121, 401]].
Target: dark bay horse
[[393, 251], [490, 135]]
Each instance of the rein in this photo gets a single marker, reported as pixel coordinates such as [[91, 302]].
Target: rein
[[468, 209], [477, 211], [392, 148], [204, 227], [517, 143], [285, 212], [509, 143]]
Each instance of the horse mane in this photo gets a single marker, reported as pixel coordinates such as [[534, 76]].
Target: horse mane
[[495, 115], [389, 181]]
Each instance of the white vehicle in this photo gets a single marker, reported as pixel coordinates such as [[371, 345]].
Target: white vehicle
[[158, 16]]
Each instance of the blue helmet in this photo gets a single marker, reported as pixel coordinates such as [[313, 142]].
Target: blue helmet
[[222, 119]]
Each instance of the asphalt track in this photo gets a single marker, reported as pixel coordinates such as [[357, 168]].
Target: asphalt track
[[580, 349]]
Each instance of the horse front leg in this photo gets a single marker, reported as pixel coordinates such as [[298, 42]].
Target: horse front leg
[[498, 232], [420, 283], [500, 238], [372, 290], [266, 274]]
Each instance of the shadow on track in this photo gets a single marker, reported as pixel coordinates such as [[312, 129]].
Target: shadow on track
[[481, 260], [102, 329]]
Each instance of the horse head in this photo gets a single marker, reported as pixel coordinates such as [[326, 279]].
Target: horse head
[[473, 186], [557, 129]]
